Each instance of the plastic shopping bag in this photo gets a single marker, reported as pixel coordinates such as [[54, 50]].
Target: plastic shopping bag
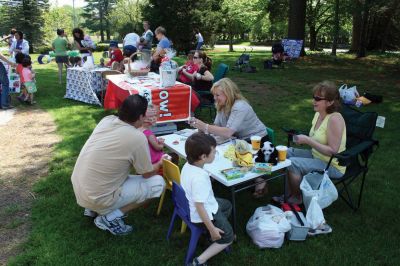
[[314, 216], [319, 185], [267, 227], [348, 94]]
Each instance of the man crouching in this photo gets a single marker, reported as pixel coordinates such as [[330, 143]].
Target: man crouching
[[101, 179]]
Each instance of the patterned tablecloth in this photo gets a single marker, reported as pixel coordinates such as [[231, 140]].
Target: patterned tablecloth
[[83, 84]]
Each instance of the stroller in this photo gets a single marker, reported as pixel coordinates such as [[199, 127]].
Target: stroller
[[243, 63]]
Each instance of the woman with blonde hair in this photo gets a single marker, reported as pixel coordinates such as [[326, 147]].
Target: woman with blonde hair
[[235, 116]]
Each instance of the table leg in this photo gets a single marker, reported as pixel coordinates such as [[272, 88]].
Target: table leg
[[233, 209]]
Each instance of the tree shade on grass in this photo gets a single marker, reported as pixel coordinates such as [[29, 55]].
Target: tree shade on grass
[[62, 236]]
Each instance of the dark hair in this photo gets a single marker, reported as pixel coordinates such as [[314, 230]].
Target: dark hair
[[161, 30], [60, 32], [197, 145], [20, 33], [13, 31], [196, 30], [26, 61], [132, 108], [75, 60], [19, 57], [328, 90], [206, 60], [79, 31]]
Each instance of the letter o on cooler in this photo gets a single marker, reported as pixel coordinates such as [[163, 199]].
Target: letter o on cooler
[[163, 95]]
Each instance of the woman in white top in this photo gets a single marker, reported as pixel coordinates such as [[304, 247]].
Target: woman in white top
[[199, 38], [20, 45]]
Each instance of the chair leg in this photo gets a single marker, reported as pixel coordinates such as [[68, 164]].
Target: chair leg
[[194, 238], [171, 224], [183, 227], [161, 202], [361, 190]]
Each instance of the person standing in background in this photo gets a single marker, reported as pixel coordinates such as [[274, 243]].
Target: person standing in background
[[60, 46]]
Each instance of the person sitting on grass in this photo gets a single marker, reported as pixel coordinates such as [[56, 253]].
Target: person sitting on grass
[[204, 207], [101, 180]]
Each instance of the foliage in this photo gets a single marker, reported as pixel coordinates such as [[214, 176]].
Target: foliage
[[96, 13], [24, 15], [126, 17]]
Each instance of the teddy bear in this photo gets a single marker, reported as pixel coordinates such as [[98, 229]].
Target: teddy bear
[[242, 153], [267, 153]]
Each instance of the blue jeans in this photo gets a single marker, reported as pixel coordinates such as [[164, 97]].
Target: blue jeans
[[5, 86], [199, 45]]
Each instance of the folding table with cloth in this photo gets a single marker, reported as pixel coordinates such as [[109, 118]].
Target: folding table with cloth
[[174, 102], [83, 84]]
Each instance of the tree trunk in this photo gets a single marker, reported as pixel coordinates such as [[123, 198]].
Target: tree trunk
[[336, 30], [101, 15], [230, 37], [313, 38], [297, 21], [388, 25], [362, 49], [357, 25]]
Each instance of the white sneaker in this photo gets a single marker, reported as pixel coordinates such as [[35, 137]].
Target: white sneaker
[[115, 227]]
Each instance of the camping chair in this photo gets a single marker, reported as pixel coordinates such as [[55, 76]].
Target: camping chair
[[171, 174], [360, 145], [181, 209], [206, 98]]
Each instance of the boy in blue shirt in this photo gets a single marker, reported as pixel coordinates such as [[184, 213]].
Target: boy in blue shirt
[[204, 207]]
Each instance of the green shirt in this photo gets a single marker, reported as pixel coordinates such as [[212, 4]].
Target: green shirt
[[60, 46]]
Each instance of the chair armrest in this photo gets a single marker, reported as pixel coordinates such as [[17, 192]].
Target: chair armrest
[[362, 148]]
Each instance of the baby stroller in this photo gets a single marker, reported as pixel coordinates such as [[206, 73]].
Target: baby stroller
[[243, 62]]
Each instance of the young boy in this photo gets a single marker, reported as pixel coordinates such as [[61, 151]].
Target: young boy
[[204, 207]]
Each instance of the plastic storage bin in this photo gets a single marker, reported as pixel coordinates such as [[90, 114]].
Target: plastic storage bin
[[298, 232]]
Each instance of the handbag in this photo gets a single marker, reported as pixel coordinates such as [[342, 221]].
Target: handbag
[[30, 86]]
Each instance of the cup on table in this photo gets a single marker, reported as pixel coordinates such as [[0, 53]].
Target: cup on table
[[282, 152], [255, 142]]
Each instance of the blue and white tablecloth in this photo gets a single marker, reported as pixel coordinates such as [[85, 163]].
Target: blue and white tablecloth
[[82, 84]]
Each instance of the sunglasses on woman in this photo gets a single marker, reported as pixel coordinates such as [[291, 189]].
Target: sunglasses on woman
[[195, 57], [317, 98]]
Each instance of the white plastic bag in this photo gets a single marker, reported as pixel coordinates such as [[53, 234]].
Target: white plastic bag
[[318, 185], [348, 94], [267, 227], [89, 63], [314, 216]]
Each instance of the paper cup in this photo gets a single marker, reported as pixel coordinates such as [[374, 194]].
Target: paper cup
[[282, 151], [255, 142]]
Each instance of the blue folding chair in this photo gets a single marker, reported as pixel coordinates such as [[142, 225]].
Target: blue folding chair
[[181, 209]]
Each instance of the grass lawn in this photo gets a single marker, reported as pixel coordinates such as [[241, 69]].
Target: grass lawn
[[62, 236]]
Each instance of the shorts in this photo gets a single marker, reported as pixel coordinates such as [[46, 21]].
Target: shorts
[[137, 189], [62, 59], [303, 163], [220, 220], [128, 50]]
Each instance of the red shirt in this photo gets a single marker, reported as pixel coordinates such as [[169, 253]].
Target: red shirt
[[19, 69], [191, 68], [116, 56]]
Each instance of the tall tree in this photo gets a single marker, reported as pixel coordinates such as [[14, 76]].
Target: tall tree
[[357, 25], [362, 48], [27, 16], [96, 14], [319, 14], [336, 28], [126, 17], [297, 20]]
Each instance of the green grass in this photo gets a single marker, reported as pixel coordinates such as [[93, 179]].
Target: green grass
[[62, 236]]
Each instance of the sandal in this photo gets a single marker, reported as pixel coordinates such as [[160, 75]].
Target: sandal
[[323, 229]]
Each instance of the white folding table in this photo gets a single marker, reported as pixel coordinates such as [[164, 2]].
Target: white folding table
[[176, 143]]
